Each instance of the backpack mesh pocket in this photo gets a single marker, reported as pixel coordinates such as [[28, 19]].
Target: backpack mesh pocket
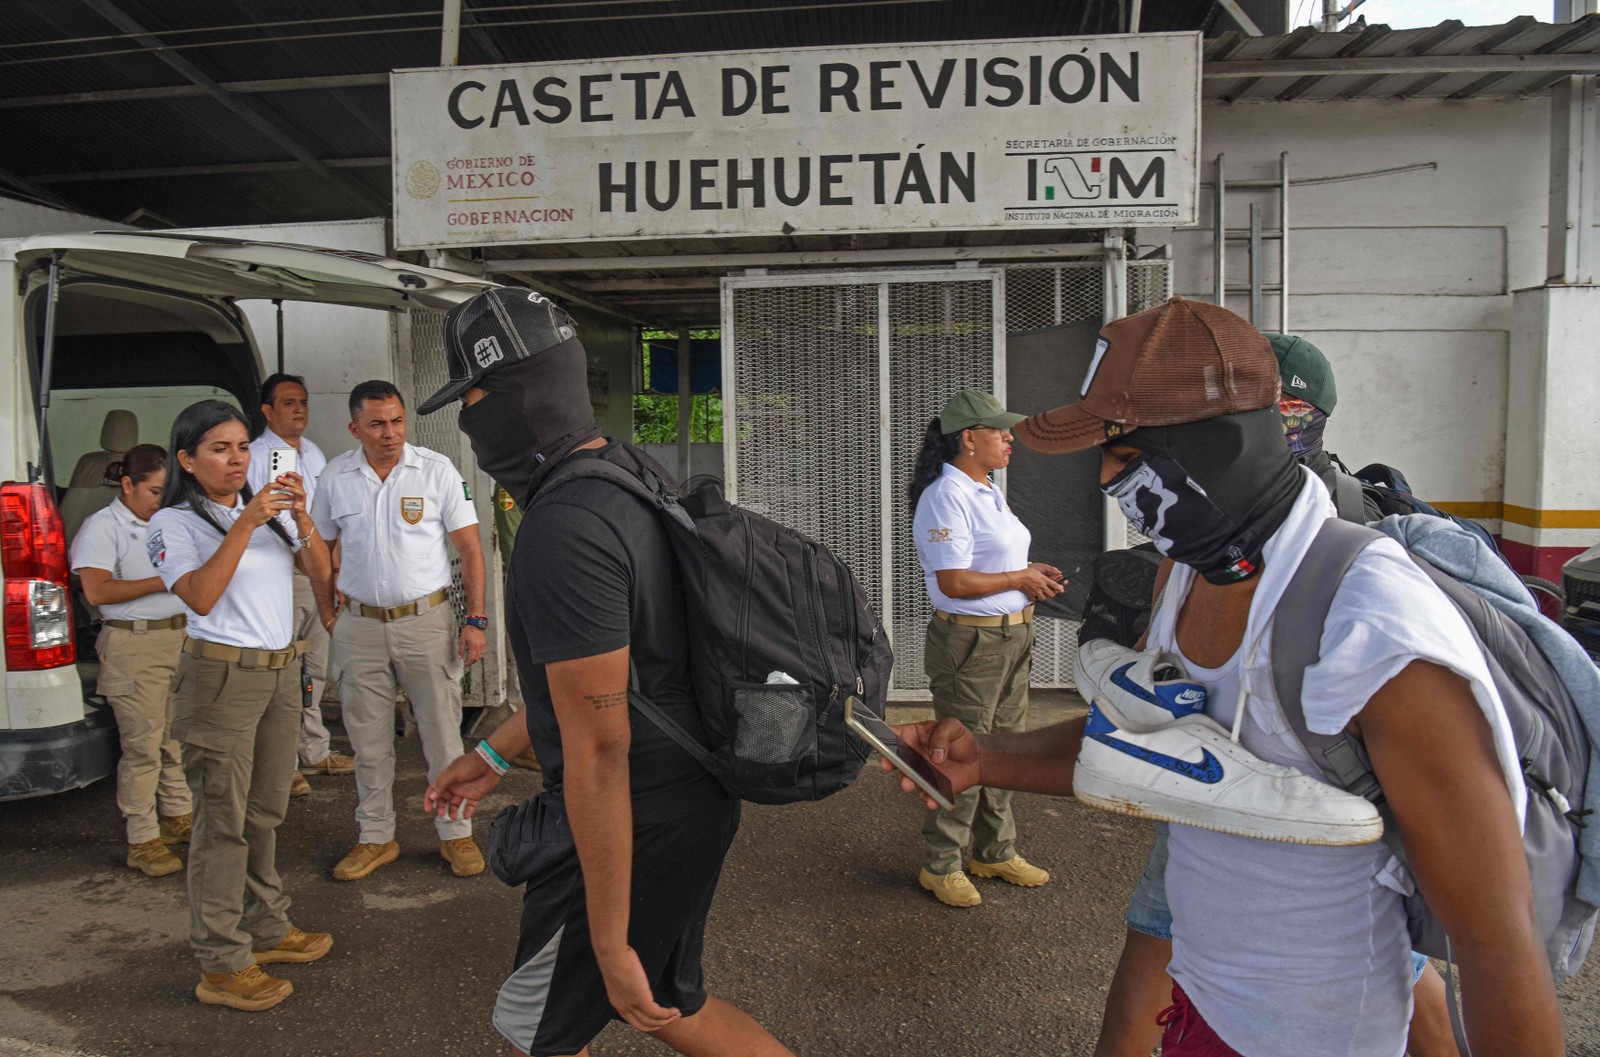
[[777, 724]]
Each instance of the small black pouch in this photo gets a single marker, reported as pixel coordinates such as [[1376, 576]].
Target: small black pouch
[[529, 837]]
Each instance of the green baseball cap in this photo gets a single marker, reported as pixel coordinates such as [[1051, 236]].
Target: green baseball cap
[[974, 407], [1304, 372]]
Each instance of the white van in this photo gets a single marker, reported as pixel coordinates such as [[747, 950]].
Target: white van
[[143, 318]]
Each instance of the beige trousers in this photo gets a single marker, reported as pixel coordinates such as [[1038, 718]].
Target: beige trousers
[[314, 743], [374, 661], [238, 728], [979, 676], [136, 670]]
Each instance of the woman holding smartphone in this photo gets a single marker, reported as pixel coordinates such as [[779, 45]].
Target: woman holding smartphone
[[141, 633], [974, 554], [230, 555]]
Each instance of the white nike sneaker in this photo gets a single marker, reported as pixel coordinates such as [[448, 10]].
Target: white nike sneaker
[[1150, 753]]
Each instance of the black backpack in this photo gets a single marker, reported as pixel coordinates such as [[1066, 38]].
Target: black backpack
[[764, 604], [1389, 489]]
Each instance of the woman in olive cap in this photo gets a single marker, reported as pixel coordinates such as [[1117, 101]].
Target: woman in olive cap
[[974, 554]]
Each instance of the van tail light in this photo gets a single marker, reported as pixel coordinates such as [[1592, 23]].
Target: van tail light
[[38, 600]]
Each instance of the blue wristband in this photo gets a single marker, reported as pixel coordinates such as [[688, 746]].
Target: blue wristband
[[493, 757]]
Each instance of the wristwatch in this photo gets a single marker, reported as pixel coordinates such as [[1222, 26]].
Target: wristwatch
[[479, 622]]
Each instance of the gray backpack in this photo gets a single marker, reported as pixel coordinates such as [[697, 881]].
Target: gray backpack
[[1546, 713]]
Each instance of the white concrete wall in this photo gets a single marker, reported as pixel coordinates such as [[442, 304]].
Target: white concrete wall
[[332, 346], [1403, 280]]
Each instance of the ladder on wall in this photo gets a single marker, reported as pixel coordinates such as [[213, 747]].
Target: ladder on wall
[[1253, 236]]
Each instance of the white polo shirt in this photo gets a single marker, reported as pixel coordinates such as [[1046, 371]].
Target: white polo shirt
[[391, 533], [312, 462], [115, 540], [256, 610], [961, 524]]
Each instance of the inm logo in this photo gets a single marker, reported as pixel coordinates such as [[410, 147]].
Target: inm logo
[[1089, 177]]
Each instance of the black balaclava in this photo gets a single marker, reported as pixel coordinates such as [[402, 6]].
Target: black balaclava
[[536, 412], [1210, 494]]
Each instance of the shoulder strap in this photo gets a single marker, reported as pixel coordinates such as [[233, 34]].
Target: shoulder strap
[[1347, 497], [650, 490], [1297, 627]]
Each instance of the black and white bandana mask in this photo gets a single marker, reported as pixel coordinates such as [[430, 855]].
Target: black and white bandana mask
[[1216, 508]]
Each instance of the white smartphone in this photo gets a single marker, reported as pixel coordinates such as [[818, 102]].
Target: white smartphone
[[908, 761], [281, 461]]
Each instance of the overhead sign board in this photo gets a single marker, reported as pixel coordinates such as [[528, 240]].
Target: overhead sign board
[[1071, 132]]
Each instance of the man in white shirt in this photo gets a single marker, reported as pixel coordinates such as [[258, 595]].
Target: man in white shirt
[[391, 508], [1282, 947], [287, 408]]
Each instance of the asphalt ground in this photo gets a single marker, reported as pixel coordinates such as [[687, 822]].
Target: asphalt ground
[[819, 930]]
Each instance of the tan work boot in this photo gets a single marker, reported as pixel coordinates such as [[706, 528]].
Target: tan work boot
[[177, 829], [334, 763], [364, 859], [251, 990], [463, 856], [951, 889], [297, 946], [298, 786], [153, 859], [1017, 870]]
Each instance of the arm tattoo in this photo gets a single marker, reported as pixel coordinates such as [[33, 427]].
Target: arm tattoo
[[605, 701]]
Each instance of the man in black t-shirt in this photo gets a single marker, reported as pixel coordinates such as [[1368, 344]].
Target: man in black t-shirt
[[613, 922]]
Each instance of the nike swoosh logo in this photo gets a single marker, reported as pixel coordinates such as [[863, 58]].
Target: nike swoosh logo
[[1207, 770]]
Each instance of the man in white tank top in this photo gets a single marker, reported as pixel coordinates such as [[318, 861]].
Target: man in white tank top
[[1284, 948]]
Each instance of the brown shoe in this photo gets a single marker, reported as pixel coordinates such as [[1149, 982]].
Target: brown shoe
[[153, 859], [335, 763], [177, 829], [463, 856], [298, 786], [251, 990], [364, 859], [297, 946]]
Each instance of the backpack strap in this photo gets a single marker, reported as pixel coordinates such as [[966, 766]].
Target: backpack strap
[[1348, 498], [653, 490], [1297, 645]]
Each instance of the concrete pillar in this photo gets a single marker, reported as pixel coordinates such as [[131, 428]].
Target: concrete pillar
[[1552, 487]]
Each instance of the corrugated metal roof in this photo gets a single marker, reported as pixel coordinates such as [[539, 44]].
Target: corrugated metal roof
[[1447, 61]]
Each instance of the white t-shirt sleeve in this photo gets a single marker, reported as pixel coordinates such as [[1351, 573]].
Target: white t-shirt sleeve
[[171, 546], [1386, 614], [322, 513], [95, 545], [456, 511], [943, 530]]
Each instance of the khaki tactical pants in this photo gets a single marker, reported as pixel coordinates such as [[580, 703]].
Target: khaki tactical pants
[[979, 676], [136, 672], [375, 660], [314, 743], [238, 727]]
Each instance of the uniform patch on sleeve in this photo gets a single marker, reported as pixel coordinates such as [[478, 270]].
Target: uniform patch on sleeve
[[156, 548], [939, 535], [466, 491]]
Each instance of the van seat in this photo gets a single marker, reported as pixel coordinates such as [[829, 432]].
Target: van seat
[[89, 489]]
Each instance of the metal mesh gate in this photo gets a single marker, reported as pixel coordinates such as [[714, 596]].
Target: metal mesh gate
[[833, 378]]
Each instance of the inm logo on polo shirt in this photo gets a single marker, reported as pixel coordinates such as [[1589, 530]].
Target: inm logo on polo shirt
[[487, 351], [938, 535]]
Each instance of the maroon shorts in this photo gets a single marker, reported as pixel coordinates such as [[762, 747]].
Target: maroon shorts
[[1188, 1034]]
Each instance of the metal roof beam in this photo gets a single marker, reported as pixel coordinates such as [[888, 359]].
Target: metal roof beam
[[204, 170], [1403, 64], [190, 91], [1360, 43], [667, 262], [267, 126], [1286, 48], [1583, 32], [19, 185]]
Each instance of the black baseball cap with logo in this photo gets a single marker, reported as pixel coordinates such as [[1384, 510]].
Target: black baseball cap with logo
[[505, 325]]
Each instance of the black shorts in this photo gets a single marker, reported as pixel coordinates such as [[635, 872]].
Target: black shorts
[[555, 1003]]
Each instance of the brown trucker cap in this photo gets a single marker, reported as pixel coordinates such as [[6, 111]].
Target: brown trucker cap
[[1183, 361]]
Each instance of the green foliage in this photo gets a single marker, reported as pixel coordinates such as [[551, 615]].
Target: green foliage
[[655, 417]]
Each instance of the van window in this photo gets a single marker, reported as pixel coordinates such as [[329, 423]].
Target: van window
[[76, 417]]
